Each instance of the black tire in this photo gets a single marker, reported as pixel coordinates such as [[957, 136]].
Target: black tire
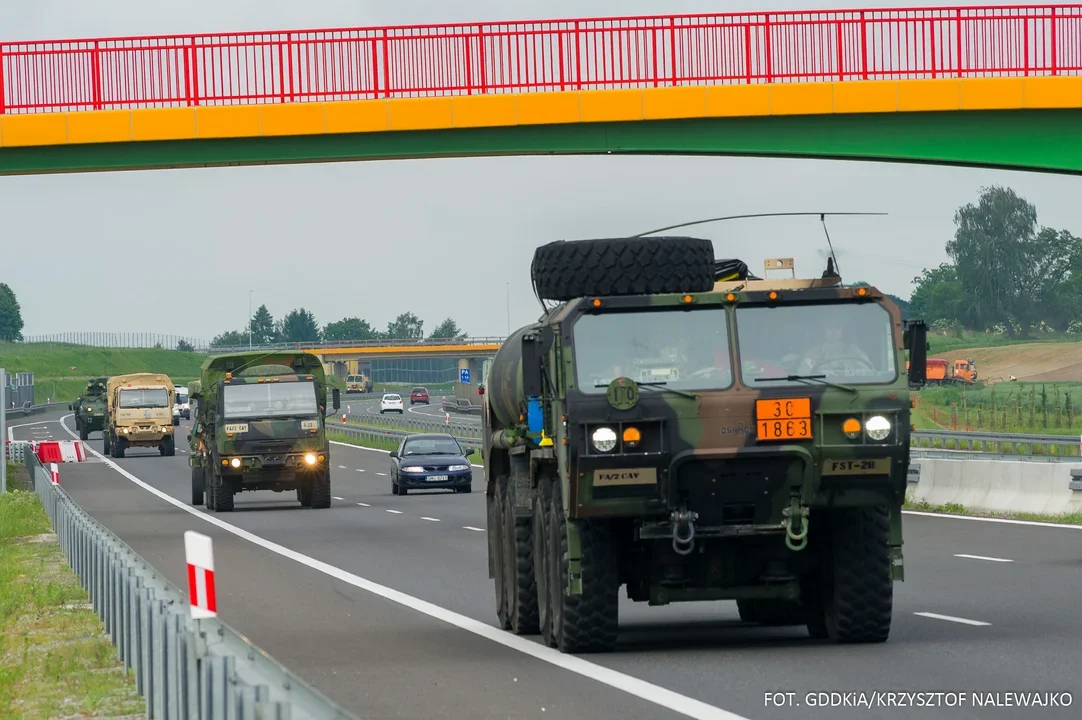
[[321, 489], [170, 446], [564, 270], [394, 487], [747, 610], [84, 434], [860, 603], [518, 560], [590, 622], [542, 557], [106, 446], [118, 448], [212, 494], [223, 494], [304, 496], [197, 486], [496, 534]]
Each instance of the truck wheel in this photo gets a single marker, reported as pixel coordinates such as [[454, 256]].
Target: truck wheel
[[588, 622], [494, 505], [564, 270], [304, 495], [859, 601], [223, 494], [321, 489], [118, 447], [169, 446], [518, 564], [84, 434], [747, 609], [208, 484], [542, 543], [197, 486]]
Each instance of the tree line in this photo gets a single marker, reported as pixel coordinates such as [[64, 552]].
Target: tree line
[[1007, 274], [299, 325]]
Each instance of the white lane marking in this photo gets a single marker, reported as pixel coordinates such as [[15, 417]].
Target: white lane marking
[[471, 527], [1006, 521], [342, 467], [360, 469], [982, 557], [395, 512], [335, 497], [950, 618], [11, 428], [649, 692], [364, 504], [430, 519], [383, 474]]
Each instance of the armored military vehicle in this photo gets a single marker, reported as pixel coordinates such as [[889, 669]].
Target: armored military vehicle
[[89, 408], [683, 428], [259, 425], [138, 413]]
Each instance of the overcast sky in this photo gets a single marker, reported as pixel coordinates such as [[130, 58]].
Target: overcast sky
[[385, 237]]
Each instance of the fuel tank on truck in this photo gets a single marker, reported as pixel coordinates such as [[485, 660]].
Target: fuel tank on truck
[[503, 386]]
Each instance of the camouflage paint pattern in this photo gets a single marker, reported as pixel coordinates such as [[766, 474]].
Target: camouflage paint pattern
[[89, 408], [269, 449], [139, 427], [712, 430]]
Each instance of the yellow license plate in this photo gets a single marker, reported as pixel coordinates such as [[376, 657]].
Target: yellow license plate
[[783, 419]]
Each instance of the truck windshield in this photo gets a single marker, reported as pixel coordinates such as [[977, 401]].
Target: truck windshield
[[181, 398], [148, 398], [846, 343], [673, 347], [270, 400]]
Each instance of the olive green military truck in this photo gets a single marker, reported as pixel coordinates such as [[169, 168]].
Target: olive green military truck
[[678, 426], [138, 414], [89, 408], [259, 425]]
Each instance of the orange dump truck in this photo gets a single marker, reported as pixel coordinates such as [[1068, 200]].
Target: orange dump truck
[[944, 372]]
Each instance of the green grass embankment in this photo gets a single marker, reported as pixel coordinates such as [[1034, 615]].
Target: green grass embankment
[[1037, 408], [61, 371], [55, 659]]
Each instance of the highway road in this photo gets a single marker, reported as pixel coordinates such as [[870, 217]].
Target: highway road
[[383, 603], [362, 405]]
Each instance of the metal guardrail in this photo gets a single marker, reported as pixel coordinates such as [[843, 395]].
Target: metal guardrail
[[406, 422], [185, 669], [422, 342], [377, 434], [1004, 444], [34, 409]]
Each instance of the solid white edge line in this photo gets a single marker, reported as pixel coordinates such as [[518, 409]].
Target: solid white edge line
[[1005, 521], [394, 512], [471, 527], [951, 618], [983, 557], [430, 519], [631, 685], [11, 428]]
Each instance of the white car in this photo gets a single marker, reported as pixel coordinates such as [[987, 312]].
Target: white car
[[391, 402]]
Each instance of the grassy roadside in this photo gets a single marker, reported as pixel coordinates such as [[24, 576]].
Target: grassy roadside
[[957, 509], [55, 659], [473, 457]]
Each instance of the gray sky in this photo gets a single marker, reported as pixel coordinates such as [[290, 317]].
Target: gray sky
[[75, 232]]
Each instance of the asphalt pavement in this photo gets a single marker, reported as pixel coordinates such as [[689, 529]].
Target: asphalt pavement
[[383, 603], [368, 404]]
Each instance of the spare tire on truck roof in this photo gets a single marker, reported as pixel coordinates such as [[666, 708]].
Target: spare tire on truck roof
[[569, 269]]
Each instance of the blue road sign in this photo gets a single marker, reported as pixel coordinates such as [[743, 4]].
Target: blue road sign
[[464, 375]]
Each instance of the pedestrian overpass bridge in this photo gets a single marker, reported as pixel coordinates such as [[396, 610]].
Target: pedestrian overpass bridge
[[976, 86]]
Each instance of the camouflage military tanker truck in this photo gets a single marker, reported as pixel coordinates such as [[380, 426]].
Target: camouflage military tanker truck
[[89, 408], [680, 427], [138, 414], [259, 425]]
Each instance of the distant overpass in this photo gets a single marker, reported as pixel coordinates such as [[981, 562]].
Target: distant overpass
[[469, 347]]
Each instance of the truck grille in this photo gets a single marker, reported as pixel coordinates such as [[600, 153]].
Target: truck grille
[[736, 491]]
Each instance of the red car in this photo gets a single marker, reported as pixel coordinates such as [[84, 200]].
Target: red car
[[419, 395]]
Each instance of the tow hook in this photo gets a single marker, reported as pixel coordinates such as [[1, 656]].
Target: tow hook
[[796, 524], [683, 531]]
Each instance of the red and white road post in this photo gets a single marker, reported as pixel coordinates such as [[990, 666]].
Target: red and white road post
[[54, 473], [199, 553]]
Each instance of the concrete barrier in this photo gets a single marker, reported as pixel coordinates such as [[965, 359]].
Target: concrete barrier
[[997, 485]]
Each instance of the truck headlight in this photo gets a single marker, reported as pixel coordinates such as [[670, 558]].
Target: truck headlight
[[310, 459], [877, 427], [604, 439], [235, 462]]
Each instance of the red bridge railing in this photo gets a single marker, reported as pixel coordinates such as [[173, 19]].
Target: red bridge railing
[[583, 54]]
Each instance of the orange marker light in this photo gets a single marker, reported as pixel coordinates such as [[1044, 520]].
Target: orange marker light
[[687, 298], [597, 302], [730, 297], [632, 435], [862, 292], [773, 295], [851, 426]]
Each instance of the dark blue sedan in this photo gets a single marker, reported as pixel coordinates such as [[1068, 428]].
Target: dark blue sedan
[[426, 461]]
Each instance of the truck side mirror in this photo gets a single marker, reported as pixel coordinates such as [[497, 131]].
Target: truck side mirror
[[336, 399], [531, 366], [918, 354]]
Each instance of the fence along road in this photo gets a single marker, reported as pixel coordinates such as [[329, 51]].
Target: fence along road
[[185, 669]]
